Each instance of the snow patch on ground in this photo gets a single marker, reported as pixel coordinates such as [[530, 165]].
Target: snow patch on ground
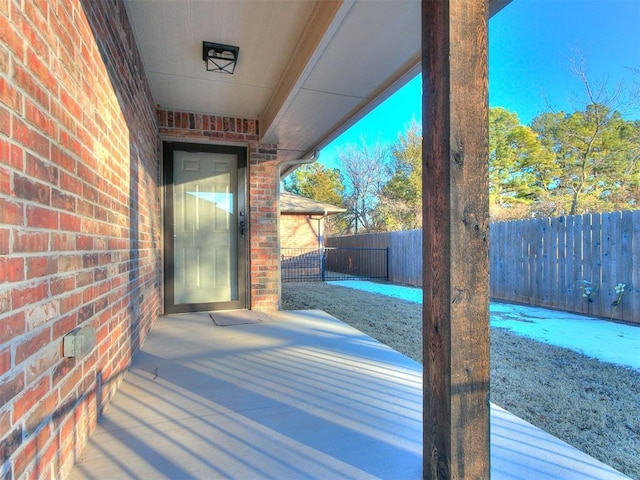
[[607, 341]]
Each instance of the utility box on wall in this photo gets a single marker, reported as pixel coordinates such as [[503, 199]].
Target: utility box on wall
[[79, 342]]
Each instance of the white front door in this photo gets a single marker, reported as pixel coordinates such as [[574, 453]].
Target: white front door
[[205, 227]]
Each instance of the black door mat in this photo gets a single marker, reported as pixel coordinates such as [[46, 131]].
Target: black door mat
[[239, 317]]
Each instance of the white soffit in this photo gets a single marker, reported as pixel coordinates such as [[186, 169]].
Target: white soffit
[[376, 44], [307, 69], [375, 40], [320, 111]]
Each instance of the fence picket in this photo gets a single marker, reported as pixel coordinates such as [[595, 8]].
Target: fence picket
[[528, 255], [549, 252], [561, 290], [634, 297], [596, 259], [554, 276], [608, 239], [508, 268], [573, 290], [626, 260], [538, 265], [614, 262], [587, 254]]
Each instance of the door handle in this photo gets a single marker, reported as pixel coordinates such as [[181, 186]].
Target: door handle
[[241, 224]]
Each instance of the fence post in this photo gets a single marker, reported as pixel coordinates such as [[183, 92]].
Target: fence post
[[323, 264]]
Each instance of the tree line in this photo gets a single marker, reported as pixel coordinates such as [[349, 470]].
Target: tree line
[[562, 163]]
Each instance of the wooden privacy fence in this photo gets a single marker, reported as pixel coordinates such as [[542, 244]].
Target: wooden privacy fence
[[555, 262], [548, 262]]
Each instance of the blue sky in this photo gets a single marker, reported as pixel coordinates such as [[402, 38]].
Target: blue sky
[[530, 44]]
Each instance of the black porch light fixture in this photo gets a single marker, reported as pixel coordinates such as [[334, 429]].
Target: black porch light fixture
[[220, 58]]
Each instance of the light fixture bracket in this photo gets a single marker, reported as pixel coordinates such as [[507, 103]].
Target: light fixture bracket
[[220, 58]]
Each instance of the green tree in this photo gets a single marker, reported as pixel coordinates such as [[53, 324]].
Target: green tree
[[322, 184], [597, 154], [627, 195], [400, 205], [317, 182], [596, 150], [521, 169]]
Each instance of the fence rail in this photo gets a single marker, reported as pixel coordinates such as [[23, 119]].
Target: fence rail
[[330, 263], [548, 262]]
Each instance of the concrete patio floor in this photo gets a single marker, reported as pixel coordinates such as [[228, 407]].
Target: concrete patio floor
[[302, 396]]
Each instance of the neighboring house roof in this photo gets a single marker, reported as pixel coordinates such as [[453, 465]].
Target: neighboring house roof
[[292, 203]]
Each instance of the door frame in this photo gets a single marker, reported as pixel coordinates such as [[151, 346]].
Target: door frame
[[168, 147]]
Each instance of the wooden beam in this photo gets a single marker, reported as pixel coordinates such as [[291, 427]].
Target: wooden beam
[[456, 232]]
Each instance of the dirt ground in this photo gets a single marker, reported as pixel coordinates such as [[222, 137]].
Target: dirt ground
[[592, 405]]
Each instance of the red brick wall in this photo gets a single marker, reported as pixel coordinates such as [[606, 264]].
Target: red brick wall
[[263, 192], [298, 231], [79, 222]]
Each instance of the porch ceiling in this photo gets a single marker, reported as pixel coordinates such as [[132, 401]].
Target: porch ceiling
[[307, 69]]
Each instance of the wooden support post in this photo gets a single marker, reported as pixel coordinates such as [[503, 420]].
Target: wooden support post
[[456, 233]]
